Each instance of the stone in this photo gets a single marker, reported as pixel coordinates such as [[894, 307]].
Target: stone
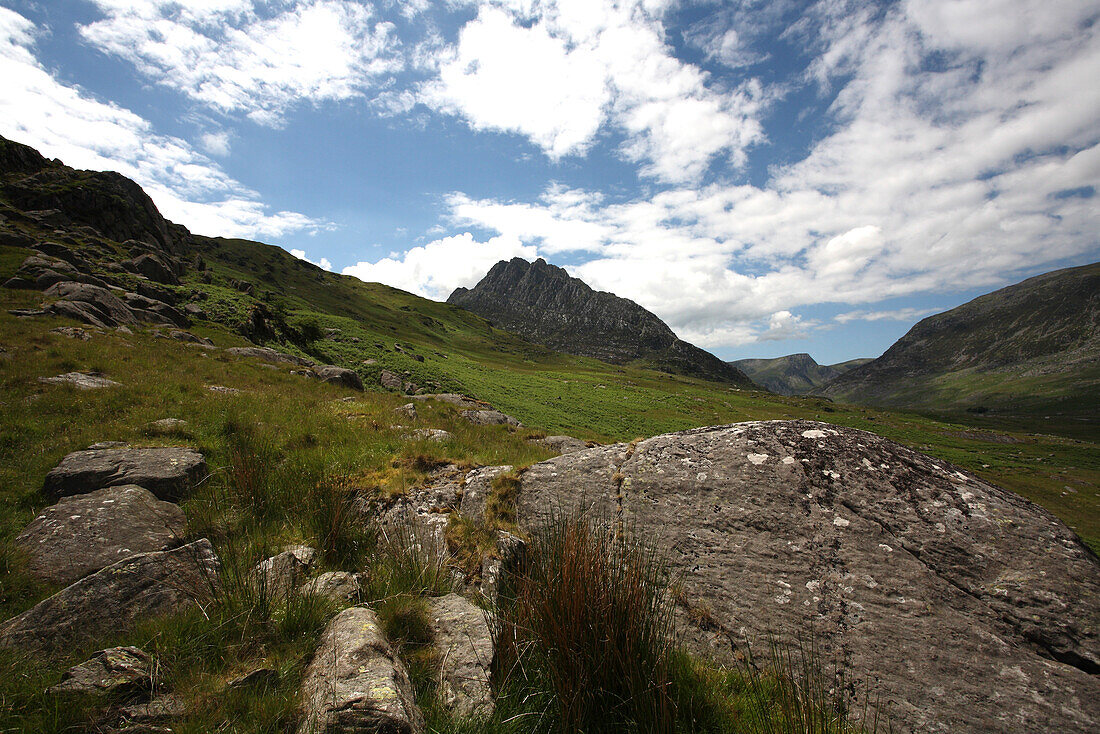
[[73, 332], [269, 355], [163, 709], [89, 303], [965, 607], [507, 557], [564, 444], [258, 678], [166, 427], [155, 311], [169, 473], [187, 336], [113, 599], [490, 418], [337, 586], [116, 671], [476, 488], [390, 381], [153, 268], [355, 681], [408, 410], [339, 376], [222, 389], [462, 638], [84, 533], [80, 380], [430, 434], [278, 575]]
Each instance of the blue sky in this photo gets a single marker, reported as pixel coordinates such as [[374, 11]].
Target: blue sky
[[768, 176]]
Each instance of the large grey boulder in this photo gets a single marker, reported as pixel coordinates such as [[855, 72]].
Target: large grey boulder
[[461, 636], [89, 303], [116, 670], [564, 444], [339, 376], [155, 311], [269, 355], [490, 418], [169, 473], [390, 381], [283, 572], [455, 399], [111, 600], [476, 487], [84, 533], [80, 380], [336, 586], [355, 682], [968, 608]]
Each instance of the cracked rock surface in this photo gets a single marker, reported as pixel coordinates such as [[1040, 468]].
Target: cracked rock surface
[[966, 607], [169, 473]]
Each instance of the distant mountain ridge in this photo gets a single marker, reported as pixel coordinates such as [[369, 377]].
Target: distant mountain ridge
[[794, 374], [544, 304], [1028, 348]]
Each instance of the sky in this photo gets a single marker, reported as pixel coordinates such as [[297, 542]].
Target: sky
[[767, 176]]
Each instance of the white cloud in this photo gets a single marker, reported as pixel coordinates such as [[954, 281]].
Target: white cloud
[[215, 143], [559, 72], [436, 269], [323, 263], [900, 314], [232, 58], [64, 122]]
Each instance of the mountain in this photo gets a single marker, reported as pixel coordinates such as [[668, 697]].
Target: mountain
[[543, 303], [795, 374], [1031, 348]]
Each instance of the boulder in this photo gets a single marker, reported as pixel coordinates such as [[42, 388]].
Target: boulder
[[84, 533], [339, 376], [281, 573], [117, 671], [966, 607], [152, 311], [163, 709], [153, 268], [390, 381], [336, 586], [111, 600], [169, 473], [490, 418], [356, 682], [430, 434], [187, 336], [507, 557], [80, 380], [408, 410], [89, 303], [465, 645], [269, 355], [564, 444], [476, 488], [73, 332], [166, 427]]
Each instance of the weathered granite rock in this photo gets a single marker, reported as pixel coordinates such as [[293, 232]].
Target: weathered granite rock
[[507, 557], [116, 671], [281, 573], [80, 380], [461, 636], [153, 268], [339, 376], [476, 487], [155, 312], [84, 533], [187, 336], [355, 682], [73, 332], [489, 418], [89, 303], [337, 586], [169, 473], [430, 434], [408, 410], [390, 381], [969, 608], [113, 599], [269, 355], [564, 444], [460, 401], [163, 709], [166, 427]]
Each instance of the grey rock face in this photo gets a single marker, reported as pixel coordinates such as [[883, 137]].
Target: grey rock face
[[166, 427], [508, 556], [490, 418], [355, 682], [408, 410], [281, 573], [113, 599], [89, 303], [84, 533], [563, 444], [460, 401], [169, 473], [969, 608], [465, 645], [116, 670], [80, 380], [155, 311], [339, 376], [153, 268], [337, 586], [430, 434], [269, 355], [161, 710], [476, 487], [390, 381]]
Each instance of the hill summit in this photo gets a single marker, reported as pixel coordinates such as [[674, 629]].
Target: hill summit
[[794, 374], [543, 303]]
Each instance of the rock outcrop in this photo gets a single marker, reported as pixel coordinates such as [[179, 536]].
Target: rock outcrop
[[969, 608], [541, 302], [461, 636], [112, 599], [355, 682], [117, 671], [169, 473], [84, 533]]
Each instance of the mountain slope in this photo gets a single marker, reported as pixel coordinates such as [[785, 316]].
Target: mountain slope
[[794, 374], [1030, 348], [541, 302]]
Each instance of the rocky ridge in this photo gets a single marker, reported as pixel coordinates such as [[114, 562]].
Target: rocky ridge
[[794, 374]]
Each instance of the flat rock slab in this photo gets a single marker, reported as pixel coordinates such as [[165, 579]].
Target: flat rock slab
[[80, 380], [84, 533], [490, 418], [967, 607], [476, 488], [465, 645], [564, 444], [455, 399], [339, 376], [116, 670], [169, 473], [269, 355], [355, 682], [111, 600]]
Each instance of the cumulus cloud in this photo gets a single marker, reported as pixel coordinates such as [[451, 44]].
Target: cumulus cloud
[[65, 122], [437, 268], [561, 71], [323, 263], [899, 314], [233, 57]]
